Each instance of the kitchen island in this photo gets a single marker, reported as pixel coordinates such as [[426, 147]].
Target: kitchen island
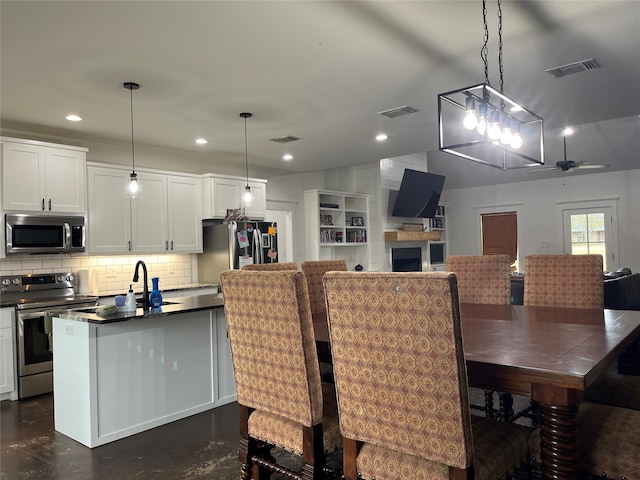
[[125, 373]]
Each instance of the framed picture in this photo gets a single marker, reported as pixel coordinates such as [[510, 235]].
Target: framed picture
[[266, 240], [357, 222]]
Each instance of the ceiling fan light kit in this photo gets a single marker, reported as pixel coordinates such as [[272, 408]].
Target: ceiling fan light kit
[[483, 125]]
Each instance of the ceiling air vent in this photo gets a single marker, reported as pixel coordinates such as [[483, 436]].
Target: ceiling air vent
[[399, 111], [285, 139], [575, 67]]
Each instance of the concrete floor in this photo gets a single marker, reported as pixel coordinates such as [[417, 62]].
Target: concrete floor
[[198, 447], [204, 446]]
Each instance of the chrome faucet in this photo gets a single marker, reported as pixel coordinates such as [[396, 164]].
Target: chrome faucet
[[145, 287]]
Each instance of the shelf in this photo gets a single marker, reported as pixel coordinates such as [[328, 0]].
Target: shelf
[[408, 236]]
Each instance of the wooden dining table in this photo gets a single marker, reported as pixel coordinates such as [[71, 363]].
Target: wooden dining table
[[550, 354]]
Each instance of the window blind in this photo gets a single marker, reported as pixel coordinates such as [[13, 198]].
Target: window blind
[[500, 234]]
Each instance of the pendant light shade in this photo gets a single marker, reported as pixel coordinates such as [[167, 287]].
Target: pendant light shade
[[482, 124], [247, 196], [134, 187]]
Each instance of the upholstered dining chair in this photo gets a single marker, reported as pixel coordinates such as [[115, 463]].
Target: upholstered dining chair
[[615, 389], [485, 279], [482, 278], [282, 400], [401, 382], [608, 441], [572, 281], [314, 270], [271, 266]]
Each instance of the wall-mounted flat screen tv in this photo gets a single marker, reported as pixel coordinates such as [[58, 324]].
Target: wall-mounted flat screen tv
[[419, 194]]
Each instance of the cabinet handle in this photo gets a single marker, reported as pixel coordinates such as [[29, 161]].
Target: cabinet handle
[[129, 245], [166, 244], [49, 204], [171, 244], [43, 204]]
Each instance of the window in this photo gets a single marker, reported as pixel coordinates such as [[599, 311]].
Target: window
[[500, 235], [589, 229]]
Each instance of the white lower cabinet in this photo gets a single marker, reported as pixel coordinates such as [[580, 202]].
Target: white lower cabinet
[[115, 380], [7, 355]]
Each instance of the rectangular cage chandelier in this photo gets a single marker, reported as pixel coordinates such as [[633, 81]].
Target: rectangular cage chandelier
[[483, 125]]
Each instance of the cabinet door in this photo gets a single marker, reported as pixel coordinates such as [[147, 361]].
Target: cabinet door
[[109, 222], [7, 356], [149, 215], [226, 194], [23, 177], [64, 180], [185, 218], [258, 208]]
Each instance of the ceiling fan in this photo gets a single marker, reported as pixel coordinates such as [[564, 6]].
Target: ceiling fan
[[569, 165]]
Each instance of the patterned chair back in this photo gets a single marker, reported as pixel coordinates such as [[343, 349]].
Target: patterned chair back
[[271, 266], [399, 367], [272, 343], [314, 270], [482, 278], [572, 281]]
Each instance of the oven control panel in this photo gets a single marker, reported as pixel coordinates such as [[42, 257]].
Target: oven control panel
[[37, 282]]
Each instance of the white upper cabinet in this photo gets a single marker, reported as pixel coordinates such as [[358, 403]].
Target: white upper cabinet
[[222, 192], [185, 214], [109, 219], [43, 177], [163, 218]]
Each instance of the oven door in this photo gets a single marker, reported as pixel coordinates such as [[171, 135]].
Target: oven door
[[35, 343]]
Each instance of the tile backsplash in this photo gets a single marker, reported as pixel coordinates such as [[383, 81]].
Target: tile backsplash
[[109, 275]]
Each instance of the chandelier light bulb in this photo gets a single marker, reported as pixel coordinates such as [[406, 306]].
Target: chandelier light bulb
[[516, 141], [505, 136], [493, 131], [482, 120], [470, 119]]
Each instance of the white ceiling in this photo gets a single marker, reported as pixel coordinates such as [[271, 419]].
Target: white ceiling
[[320, 71]]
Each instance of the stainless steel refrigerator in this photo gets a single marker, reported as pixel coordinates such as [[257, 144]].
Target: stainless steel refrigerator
[[223, 250]]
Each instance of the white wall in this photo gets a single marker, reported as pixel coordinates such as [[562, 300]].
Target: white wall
[[540, 215]]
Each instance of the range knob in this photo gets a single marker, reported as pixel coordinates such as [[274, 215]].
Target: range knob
[[16, 281], [60, 278], [6, 282], [70, 277]]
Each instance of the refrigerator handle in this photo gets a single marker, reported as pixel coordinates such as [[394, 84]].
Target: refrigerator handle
[[234, 261]]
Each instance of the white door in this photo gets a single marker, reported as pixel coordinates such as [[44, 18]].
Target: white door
[[283, 219]]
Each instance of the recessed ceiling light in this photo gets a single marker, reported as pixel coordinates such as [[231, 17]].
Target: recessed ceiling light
[[74, 118], [381, 137], [202, 141], [288, 157], [567, 131]]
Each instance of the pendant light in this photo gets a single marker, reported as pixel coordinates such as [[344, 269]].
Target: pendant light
[[134, 187], [482, 124], [247, 196]]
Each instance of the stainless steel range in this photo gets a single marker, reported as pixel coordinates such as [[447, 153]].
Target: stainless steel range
[[36, 298]]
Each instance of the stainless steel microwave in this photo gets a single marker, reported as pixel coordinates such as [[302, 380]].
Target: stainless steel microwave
[[27, 233]]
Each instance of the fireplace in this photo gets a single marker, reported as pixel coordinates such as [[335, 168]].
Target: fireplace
[[406, 259]]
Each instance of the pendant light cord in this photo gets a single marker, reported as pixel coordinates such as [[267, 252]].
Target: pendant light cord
[[246, 154], [133, 148]]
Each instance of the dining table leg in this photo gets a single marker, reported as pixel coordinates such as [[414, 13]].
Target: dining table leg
[[559, 432]]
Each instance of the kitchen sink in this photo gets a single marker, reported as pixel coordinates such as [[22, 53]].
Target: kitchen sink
[[94, 309]]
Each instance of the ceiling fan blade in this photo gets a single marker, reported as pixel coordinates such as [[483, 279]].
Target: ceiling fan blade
[[541, 169], [586, 165]]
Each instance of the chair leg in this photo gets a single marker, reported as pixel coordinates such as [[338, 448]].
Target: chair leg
[[489, 411], [506, 407]]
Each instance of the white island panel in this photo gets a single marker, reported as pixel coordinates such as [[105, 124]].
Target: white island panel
[[118, 379]]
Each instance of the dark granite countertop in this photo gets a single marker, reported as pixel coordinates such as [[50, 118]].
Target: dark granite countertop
[[173, 306]]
